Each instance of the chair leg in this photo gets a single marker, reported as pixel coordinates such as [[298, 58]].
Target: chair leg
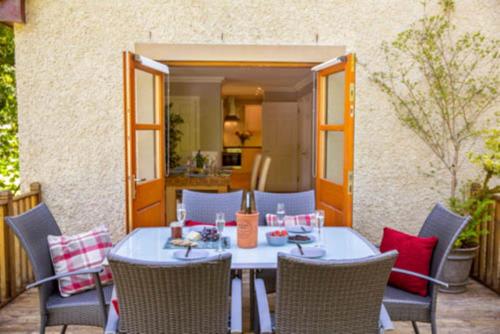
[[43, 323], [415, 327], [434, 329], [63, 329]]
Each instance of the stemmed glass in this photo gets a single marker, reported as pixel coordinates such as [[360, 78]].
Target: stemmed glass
[[181, 213], [220, 222], [320, 221], [280, 213]]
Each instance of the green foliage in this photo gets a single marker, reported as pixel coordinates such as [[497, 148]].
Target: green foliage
[[477, 197], [9, 146], [175, 136], [441, 84]]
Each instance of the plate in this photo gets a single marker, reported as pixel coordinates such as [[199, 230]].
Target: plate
[[299, 229], [309, 252], [312, 239], [194, 254]]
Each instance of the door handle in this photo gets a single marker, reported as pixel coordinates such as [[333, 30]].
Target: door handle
[[141, 179]]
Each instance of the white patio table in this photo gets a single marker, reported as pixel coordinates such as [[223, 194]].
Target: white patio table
[[340, 243]]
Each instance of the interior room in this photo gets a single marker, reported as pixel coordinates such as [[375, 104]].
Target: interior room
[[232, 114]]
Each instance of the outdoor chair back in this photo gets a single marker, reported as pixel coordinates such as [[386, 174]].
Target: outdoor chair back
[[159, 297], [331, 296], [446, 226], [32, 229], [295, 203], [202, 207]]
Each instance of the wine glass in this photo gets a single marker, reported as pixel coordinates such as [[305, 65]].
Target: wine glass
[[320, 221], [280, 213], [181, 213], [220, 222]]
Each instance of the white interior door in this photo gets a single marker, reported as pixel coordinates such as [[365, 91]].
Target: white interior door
[[280, 142], [189, 109], [305, 142]]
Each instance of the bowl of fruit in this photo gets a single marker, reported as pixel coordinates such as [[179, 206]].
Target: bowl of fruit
[[277, 238]]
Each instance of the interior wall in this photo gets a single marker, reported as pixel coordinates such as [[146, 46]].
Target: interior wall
[[210, 111]]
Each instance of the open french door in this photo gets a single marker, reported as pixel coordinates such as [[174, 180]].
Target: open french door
[[144, 91], [334, 135]]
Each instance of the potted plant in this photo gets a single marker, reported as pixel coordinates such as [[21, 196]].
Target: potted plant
[[243, 136], [476, 201]]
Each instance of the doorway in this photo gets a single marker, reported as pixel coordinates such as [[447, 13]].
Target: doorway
[[291, 129]]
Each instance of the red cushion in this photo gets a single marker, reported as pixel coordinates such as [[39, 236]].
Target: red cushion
[[193, 223], [415, 254]]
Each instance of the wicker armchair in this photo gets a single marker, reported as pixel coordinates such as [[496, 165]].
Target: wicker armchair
[[317, 296], [175, 297], [202, 207], [86, 308], [405, 306], [295, 204]]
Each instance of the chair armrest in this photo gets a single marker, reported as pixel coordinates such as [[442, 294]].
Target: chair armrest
[[113, 318], [385, 320], [427, 278], [58, 276], [236, 306], [266, 326]]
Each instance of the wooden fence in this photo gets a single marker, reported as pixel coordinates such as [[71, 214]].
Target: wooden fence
[[486, 268], [15, 268]]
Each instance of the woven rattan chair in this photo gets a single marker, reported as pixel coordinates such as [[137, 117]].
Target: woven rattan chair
[[295, 204], [202, 207], [86, 308], [315, 296], [406, 306], [187, 297]]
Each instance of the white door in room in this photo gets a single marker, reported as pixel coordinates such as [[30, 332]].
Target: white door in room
[[305, 142], [188, 107], [280, 142]]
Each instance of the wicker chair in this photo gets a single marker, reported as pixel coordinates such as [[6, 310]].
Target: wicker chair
[[202, 207], [187, 297], [86, 308], [405, 306], [318, 296], [295, 204]]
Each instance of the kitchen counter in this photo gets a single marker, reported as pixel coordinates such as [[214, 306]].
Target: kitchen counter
[[176, 183]]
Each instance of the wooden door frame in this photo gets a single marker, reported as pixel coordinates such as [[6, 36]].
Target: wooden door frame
[[348, 66], [130, 65]]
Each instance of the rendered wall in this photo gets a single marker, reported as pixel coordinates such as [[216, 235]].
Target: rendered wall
[[70, 89]]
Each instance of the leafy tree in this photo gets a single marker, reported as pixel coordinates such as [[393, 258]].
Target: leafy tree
[[441, 84], [477, 198], [9, 146]]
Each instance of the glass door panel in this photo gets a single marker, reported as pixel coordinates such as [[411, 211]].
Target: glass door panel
[[335, 86], [147, 147], [145, 109], [334, 157]]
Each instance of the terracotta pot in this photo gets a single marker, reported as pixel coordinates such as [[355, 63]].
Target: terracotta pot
[[457, 268], [247, 230]]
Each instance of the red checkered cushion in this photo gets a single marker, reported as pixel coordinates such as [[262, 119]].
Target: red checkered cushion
[[82, 251], [308, 219]]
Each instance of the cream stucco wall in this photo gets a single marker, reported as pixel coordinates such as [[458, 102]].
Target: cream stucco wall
[[69, 71]]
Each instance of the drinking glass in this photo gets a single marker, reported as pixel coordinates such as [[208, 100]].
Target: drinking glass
[[220, 222], [181, 213], [280, 214], [320, 221]]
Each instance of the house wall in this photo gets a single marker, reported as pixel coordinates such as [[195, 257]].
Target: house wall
[[70, 93]]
